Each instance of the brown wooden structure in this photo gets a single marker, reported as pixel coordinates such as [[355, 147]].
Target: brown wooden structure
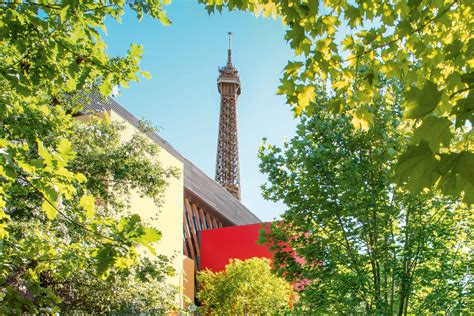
[[195, 220]]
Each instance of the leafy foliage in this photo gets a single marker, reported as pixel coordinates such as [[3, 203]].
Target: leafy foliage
[[52, 222], [427, 45], [244, 287], [366, 245], [85, 293], [59, 262], [49, 48], [114, 167]]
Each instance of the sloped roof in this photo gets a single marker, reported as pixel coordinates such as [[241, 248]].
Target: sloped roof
[[196, 183]]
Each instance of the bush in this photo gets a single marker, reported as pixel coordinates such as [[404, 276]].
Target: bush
[[244, 287]]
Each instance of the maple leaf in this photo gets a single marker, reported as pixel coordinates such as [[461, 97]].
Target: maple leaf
[[435, 131], [417, 168], [419, 103]]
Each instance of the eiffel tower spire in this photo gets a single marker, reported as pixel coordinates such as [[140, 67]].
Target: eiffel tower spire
[[227, 162], [229, 51]]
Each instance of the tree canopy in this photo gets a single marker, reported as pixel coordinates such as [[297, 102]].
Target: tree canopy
[[427, 46], [49, 49], [366, 245], [53, 223], [73, 260]]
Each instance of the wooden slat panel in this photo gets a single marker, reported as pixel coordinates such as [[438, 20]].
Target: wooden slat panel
[[188, 237], [209, 220], [192, 228], [214, 222], [189, 213], [203, 218], [197, 224], [198, 218], [185, 249]]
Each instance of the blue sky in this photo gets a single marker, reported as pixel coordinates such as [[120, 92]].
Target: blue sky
[[182, 97]]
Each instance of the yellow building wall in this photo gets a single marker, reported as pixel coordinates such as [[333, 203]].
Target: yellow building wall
[[168, 218]]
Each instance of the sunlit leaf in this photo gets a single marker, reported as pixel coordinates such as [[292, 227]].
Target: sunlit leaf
[[435, 131], [50, 210], [419, 103], [87, 202], [362, 119], [417, 168], [306, 96]]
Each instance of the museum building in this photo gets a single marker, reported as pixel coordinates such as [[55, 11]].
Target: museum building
[[193, 202]]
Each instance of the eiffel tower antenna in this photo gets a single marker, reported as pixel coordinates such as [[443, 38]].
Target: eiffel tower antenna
[[229, 51]]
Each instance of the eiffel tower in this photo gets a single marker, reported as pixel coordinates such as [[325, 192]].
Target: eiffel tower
[[227, 162]]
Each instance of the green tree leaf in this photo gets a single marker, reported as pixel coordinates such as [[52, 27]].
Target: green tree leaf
[[457, 171], [421, 103], [87, 202], [150, 235], [65, 149], [106, 257], [295, 36], [49, 209], [464, 110], [435, 131], [306, 96], [362, 119], [417, 167]]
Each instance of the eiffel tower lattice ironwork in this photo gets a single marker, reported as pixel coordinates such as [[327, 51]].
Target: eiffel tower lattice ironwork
[[227, 162]]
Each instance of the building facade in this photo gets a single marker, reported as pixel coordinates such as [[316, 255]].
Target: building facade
[[192, 203]]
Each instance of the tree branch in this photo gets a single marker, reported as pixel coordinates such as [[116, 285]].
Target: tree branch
[[81, 226]]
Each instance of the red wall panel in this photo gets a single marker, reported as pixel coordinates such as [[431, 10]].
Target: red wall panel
[[220, 245]]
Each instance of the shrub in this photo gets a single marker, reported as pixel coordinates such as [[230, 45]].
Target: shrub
[[244, 287]]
